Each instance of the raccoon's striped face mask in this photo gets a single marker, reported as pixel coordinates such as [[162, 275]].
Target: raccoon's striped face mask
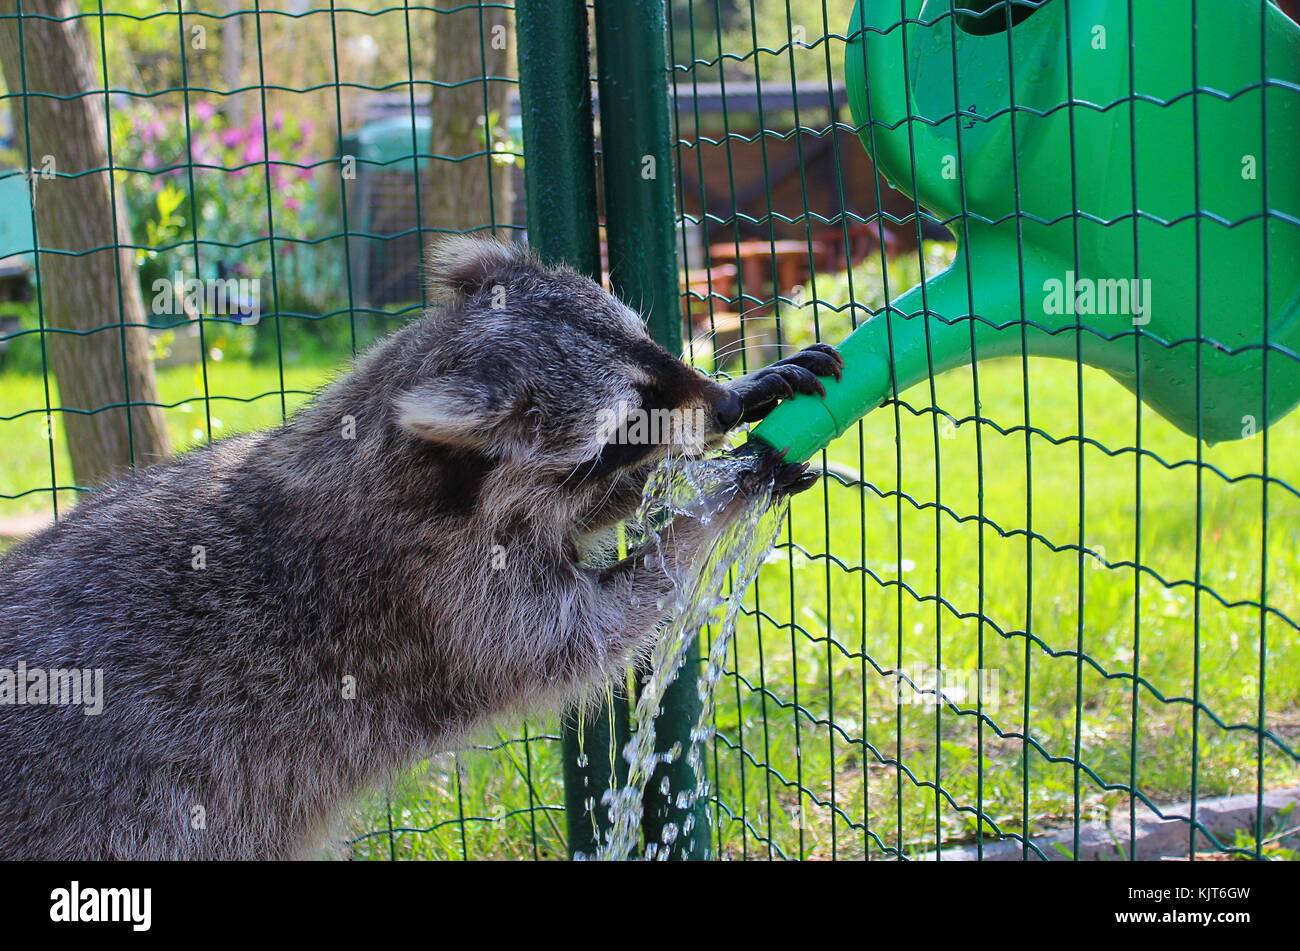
[[542, 367], [672, 410]]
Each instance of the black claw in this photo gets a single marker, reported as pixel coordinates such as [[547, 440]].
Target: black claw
[[824, 365], [776, 385], [768, 459], [793, 478], [819, 358], [785, 478], [820, 354], [761, 391], [761, 397], [808, 480], [802, 379], [827, 349]]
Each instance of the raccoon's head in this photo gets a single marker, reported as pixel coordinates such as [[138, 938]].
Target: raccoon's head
[[541, 369]]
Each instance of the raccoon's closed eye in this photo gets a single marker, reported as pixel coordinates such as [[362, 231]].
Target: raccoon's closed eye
[[653, 396], [613, 456]]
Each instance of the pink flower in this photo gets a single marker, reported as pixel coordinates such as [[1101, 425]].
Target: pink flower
[[205, 111], [293, 204]]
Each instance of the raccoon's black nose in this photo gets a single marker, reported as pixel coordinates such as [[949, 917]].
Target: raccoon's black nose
[[728, 408]]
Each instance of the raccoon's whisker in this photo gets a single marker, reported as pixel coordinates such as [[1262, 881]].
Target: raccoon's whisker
[[574, 471], [746, 344], [710, 336], [737, 348], [613, 483], [755, 347], [705, 336]]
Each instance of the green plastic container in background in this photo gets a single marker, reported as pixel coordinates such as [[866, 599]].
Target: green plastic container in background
[[1142, 142]]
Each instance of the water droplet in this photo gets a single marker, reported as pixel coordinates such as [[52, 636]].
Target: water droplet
[[701, 489]]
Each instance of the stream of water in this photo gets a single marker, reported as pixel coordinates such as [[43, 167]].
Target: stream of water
[[702, 596]]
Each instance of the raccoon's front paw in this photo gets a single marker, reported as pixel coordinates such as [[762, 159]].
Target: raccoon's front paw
[[791, 478], [761, 391], [770, 470]]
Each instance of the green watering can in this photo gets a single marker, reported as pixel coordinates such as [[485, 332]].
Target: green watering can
[[1029, 268]]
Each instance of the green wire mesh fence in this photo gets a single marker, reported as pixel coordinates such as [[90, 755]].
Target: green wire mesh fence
[[1020, 606], [1023, 602]]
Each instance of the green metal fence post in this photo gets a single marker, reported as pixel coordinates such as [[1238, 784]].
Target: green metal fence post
[[560, 176], [636, 145], [560, 154], [640, 218]]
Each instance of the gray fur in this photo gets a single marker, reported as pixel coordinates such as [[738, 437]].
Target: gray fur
[[331, 561]]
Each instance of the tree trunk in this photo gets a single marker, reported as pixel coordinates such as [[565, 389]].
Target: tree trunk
[[97, 291], [474, 192]]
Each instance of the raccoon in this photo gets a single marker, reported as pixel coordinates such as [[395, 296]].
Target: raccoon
[[285, 619]]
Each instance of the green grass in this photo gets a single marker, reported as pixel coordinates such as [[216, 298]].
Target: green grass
[[243, 397], [833, 610], [844, 613]]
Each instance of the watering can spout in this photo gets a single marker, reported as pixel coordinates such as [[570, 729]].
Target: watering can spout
[[1103, 214]]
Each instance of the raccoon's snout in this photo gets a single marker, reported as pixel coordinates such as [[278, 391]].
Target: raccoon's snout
[[727, 409]]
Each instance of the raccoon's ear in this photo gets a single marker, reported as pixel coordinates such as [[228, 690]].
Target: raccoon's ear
[[448, 413], [453, 413], [460, 266]]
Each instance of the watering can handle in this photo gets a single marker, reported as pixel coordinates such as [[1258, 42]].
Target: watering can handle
[[893, 51]]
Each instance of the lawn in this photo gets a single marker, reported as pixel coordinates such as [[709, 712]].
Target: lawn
[[904, 572], [935, 541], [243, 397]]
